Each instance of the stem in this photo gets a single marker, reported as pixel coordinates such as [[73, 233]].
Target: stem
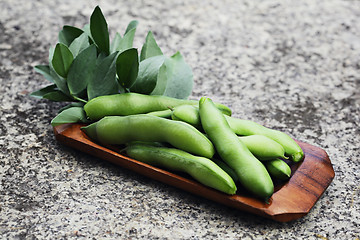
[[79, 99]]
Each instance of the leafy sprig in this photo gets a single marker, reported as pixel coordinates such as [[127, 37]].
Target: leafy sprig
[[84, 64]]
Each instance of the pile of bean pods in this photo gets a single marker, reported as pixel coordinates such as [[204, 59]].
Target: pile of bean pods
[[199, 138]]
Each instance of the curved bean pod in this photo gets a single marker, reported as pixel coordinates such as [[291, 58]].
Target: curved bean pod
[[242, 127], [143, 127], [263, 148], [278, 169], [202, 169], [226, 168], [247, 127], [162, 113], [188, 114], [134, 103], [251, 172]]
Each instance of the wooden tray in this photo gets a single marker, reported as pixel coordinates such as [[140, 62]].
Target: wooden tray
[[291, 200]]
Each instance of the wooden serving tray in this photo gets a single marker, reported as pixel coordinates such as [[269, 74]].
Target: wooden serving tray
[[291, 200]]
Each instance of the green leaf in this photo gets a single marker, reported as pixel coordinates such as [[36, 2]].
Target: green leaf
[[100, 58], [82, 70], [86, 30], [70, 115], [127, 41], [99, 30], [40, 93], [127, 67], [68, 34], [62, 59], [60, 82], [131, 25], [51, 93], [161, 81], [147, 76], [74, 104], [104, 81], [150, 47], [51, 55], [45, 71], [115, 43], [57, 96], [177, 76], [79, 44]]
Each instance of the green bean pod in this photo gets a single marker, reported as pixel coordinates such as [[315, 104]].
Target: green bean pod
[[134, 103], [226, 168], [188, 114], [263, 148], [251, 172], [242, 127], [143, 127], [247, 127], [202, 169], [278, 169], [162, 113]]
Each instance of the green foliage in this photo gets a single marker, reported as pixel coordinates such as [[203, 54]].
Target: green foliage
[[127, 67], [82, 70], [150, 47], [99, 30], [70, 115], [104, 80], [84, 65], [62, 59], [148, 73]]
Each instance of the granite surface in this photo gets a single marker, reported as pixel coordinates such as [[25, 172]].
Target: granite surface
[[290, 65]]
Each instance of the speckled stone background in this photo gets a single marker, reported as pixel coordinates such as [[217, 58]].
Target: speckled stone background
[[290, 65]]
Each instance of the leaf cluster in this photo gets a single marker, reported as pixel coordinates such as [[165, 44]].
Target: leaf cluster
[[84, 64]]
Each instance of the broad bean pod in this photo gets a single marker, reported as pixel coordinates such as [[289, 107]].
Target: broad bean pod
[[243, 127], [143, 127], [263, 148], [278, 169], [226, 168], [247, 127], [251, 172], [200, 168], [134, 103]]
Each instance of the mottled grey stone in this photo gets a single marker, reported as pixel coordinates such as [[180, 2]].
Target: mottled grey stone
[[290, 65]]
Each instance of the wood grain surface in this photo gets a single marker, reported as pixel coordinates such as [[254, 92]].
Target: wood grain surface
[[291, 200]]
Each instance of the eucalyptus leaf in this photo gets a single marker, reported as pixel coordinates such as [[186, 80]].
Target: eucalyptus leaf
[[51, 55], [68, 34], [57, 96], [41, 92], [127, 41], [73, 104], [82, 70], [60, 82], [115, 43], [161, 81], [62, 59], [178, 77], [147, 76], [79, 44], [100, 58], [104, 81], [45, 71], [99, 30], [86, 30], [70, 115], [127, 67], [133, 24], [150, 47]]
